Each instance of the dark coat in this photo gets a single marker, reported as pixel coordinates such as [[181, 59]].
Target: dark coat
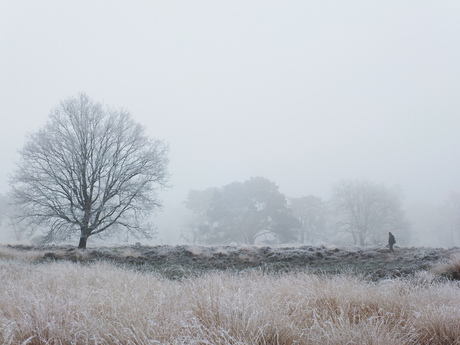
[[391, 239]]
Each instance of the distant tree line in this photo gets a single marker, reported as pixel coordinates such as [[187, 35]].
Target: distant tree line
[[254, 211]]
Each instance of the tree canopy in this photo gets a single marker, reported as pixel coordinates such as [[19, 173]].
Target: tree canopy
[[88, 170], [241, 212]]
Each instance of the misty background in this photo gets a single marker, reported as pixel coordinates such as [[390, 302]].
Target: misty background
[[303, 93]]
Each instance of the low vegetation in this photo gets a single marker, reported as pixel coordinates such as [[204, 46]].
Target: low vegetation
[[51, 300]]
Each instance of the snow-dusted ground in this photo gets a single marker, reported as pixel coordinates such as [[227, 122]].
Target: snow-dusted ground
[[180, 261]]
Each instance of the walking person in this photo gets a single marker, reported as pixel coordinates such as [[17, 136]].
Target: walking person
[[391, 241]]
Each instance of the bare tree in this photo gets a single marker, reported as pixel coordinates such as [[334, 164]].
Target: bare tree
[[450, 219], [311, 213], [198, 225], [3, 208], [368, 211], [89, 169]]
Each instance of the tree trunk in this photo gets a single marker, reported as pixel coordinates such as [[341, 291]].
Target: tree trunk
[[83, 239], [355, 241], [361, 240]]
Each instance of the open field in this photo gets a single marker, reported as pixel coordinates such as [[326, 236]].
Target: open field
[[251, 295]]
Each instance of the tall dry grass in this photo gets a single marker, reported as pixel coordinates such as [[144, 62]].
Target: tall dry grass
[[449, 269], [68, 303]]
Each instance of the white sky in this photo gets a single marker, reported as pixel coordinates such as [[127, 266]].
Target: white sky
[[305, 93]]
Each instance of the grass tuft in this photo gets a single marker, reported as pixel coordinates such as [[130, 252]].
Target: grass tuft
[[449, 269]]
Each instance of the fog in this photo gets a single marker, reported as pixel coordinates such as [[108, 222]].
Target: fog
[[303, 93]]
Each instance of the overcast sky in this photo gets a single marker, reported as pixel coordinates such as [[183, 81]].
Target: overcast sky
[[305, 93]]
